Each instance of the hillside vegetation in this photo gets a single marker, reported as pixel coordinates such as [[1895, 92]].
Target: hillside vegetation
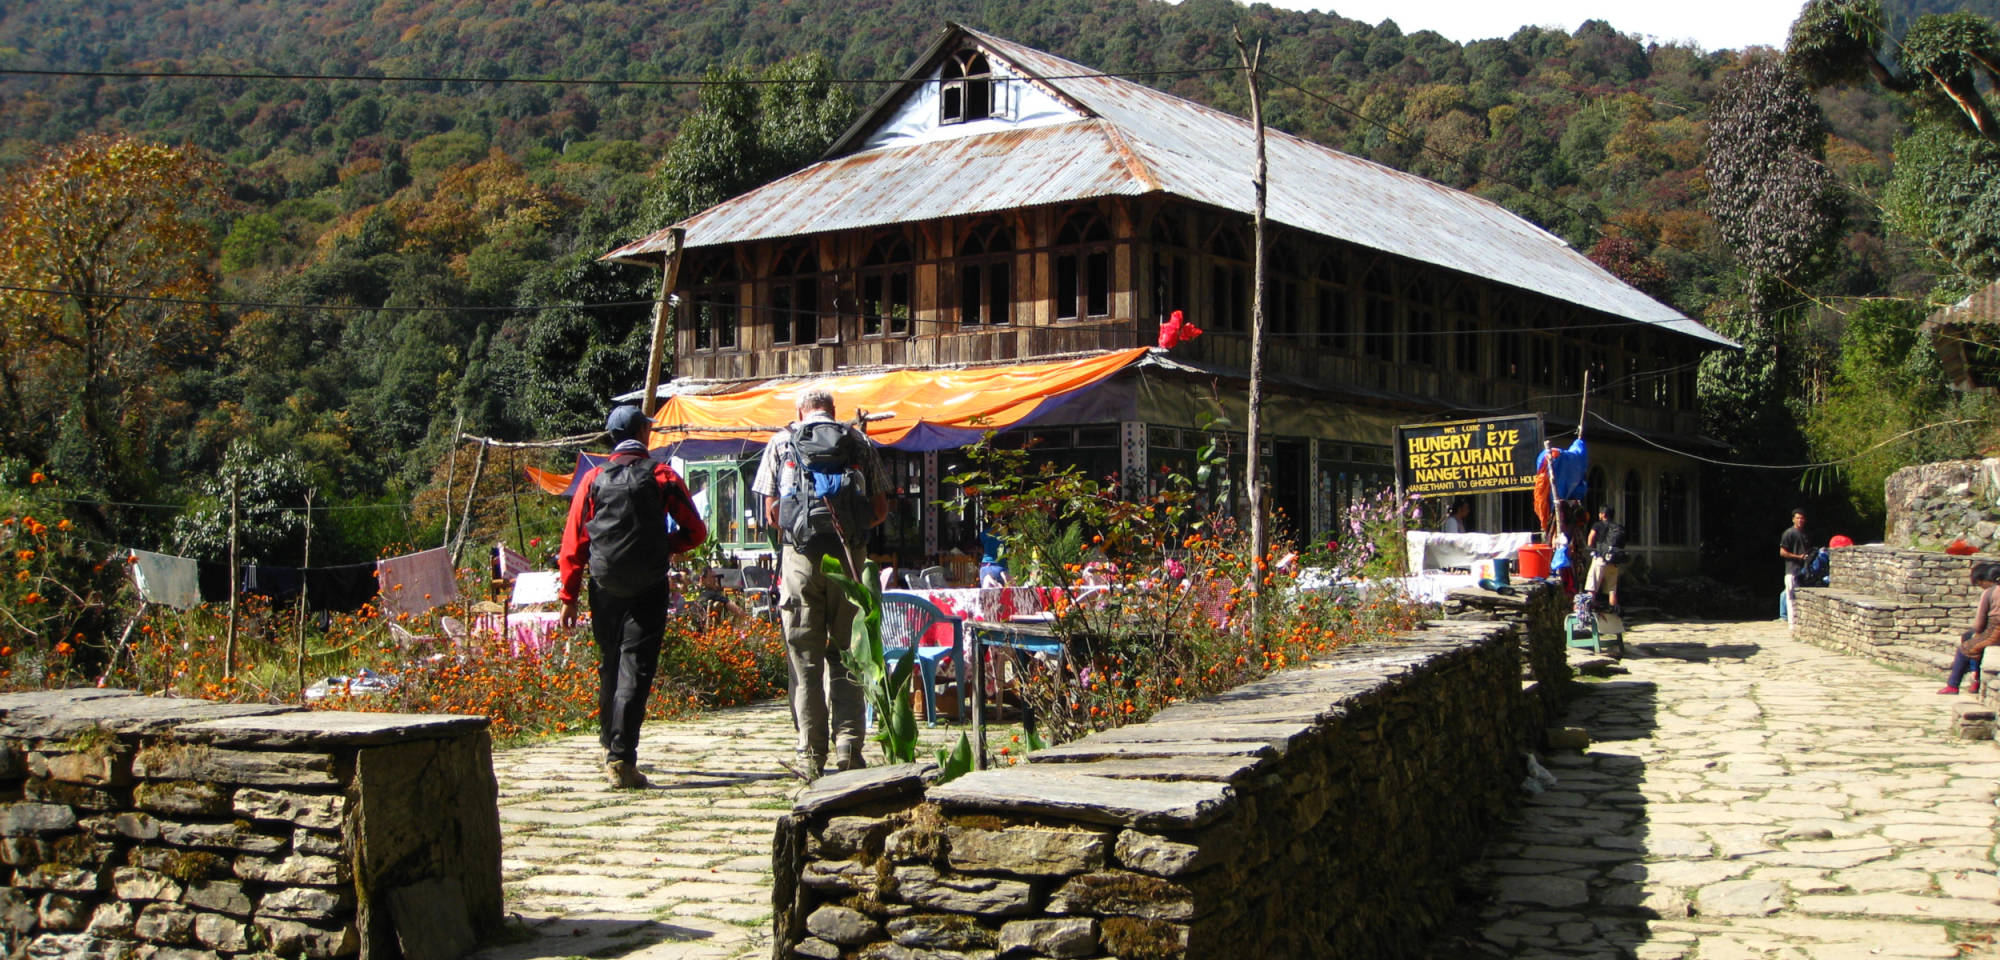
[[376, 243]]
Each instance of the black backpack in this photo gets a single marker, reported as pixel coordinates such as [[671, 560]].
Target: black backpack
[[829, 495], [628, 530], [1612, 546]]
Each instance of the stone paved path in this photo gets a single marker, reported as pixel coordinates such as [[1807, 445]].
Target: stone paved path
[[679, 871], [1745, 796], [1748, 796]]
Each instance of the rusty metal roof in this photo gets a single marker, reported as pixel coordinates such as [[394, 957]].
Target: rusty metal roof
[[1981, 306], [1138, 140], [945, 178]]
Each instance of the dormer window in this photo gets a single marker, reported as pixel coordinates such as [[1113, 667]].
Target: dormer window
[[968, 88]]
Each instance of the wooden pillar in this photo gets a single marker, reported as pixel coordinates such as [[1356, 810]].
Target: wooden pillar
[[662, 320]]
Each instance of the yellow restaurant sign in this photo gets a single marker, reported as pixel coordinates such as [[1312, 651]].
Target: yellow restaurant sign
[[1468, 456]]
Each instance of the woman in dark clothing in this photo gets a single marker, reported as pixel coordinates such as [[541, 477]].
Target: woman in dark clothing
[[1973, 642]]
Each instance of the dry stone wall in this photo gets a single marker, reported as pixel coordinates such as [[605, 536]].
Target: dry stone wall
[[161, 828], [1890, 603], [1318, 812], [1932, 504]]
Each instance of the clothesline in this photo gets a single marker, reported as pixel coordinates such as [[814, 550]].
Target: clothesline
[[412, 583]]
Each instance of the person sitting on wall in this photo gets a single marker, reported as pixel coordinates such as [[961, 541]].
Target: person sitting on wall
[[1985, 630]]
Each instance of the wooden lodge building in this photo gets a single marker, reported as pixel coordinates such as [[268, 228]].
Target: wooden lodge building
[[1006, 210]]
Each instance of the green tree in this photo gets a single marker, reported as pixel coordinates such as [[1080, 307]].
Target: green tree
[[1890, 406], [746, 135], [104, 259]]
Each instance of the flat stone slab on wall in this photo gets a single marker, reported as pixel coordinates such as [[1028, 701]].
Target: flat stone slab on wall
[[1890, 604], [152, 823], [1317, 812]]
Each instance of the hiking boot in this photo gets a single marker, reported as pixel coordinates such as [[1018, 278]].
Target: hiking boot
[[625, 775]]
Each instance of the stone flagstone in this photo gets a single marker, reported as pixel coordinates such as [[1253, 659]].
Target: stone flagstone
[[1773, 800], [1743, 795]]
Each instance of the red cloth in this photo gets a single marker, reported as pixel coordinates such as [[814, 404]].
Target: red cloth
[[574, 558], [1177, 331], [1959, 548], [1840, 540]]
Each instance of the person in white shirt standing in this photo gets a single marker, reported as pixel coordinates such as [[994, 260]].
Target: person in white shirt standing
[[824, 489]]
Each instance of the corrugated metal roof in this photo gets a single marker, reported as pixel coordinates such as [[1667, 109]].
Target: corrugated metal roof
[[945, 178], [1142, 141], [1982, 306]]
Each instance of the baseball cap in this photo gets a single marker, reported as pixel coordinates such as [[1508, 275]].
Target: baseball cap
[[626, 422]]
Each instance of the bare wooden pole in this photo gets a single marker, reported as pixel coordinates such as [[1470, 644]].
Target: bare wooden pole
[[670, 274], [450, 471], [1260, 546], [1583, 405], [465, 521], [305, 587], [229, 644]]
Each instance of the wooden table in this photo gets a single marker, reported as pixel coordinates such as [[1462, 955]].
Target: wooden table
[[1022, 636]]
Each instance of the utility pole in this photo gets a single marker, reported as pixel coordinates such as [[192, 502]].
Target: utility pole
[[229, 644], [305, 588], [670, 275], [1260, 546], [465, 520]]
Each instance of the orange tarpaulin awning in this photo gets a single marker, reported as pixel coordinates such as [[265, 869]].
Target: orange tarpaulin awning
[[931, 409]]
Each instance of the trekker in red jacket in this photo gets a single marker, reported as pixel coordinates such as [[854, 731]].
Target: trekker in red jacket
[[630, 515]]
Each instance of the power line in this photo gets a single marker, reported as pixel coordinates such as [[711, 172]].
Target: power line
[[1777, 466], [275, 305], [565, 81]]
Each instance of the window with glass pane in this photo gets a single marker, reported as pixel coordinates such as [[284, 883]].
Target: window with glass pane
[[715, 301], [1420, 336], [886, 302], [1635, 502], [1673, 514], [1330, 294], [1083, 267], [795, 296], [1378, 341], [967, 92], [985, 275]]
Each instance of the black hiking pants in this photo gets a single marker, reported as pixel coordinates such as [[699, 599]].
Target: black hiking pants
[[628, 631]]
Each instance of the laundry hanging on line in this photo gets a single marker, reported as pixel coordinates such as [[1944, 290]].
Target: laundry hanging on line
[[169, 581], [414, 583], [181, 583]]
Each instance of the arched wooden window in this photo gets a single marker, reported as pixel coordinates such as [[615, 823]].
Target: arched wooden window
[[1674, 522], [1378, 332], [1420, 321], [986, 275], [1083, 267], [1229, 278], [795, 296], [1508, 364], [1285, 320], [715, 314], [1597, 493], [888, 303], [1330, 296], [1170, 266], [1635, 506], [968, 88], [1468, 355]]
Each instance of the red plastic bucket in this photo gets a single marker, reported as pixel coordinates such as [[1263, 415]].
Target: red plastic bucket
[[1535, 560]]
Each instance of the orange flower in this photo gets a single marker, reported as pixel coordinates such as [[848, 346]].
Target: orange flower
[[36, 477]]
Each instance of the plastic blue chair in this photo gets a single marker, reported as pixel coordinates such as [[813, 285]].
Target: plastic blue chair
[[906, 620]]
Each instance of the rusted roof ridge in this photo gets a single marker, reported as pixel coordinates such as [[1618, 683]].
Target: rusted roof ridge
[[1134, 164]]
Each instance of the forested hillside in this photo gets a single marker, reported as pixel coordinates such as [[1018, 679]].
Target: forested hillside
[[396, 257]]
